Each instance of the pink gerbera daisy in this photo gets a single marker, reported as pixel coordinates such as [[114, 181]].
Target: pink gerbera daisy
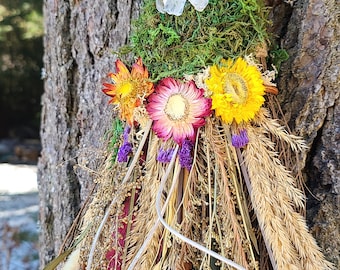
[[177, 109]]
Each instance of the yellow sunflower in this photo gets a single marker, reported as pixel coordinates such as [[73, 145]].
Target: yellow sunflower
[[129, 89], [237, 90]]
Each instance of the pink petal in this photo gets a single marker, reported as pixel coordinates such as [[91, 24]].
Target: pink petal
[[181, 132], [163, 131]]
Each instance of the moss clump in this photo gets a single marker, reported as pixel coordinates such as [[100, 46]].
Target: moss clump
[[173, 46], [278, 56]]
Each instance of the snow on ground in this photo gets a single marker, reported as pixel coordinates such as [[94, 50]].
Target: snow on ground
[[16, 179], [18, 217]]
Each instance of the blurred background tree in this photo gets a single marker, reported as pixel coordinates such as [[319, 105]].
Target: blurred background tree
[[21, 51]]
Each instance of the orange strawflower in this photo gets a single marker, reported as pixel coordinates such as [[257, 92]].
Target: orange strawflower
[[129, 89]]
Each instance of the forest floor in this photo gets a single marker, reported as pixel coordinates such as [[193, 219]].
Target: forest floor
[[19, 207]]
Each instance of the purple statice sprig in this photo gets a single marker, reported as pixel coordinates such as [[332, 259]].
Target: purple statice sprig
[[126, 148], [165, 155], [185, 154], [241, 139]]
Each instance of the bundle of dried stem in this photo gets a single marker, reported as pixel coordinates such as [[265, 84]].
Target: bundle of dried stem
[[146, 216], [209, 204], [275, 197], [214, 216]]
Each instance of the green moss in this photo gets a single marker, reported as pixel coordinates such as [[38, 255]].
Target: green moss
[[278, 56], [173, 46]]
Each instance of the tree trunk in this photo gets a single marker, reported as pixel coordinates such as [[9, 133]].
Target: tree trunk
[[80, 38], [309, 84]]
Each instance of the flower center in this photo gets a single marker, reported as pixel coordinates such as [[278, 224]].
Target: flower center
[[236, 87], [125, 89], [176, 107]]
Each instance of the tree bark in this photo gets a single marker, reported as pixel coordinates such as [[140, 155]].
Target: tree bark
[[309, 83], [80, 36]]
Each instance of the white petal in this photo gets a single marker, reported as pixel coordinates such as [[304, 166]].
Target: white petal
[[174, 7], [160, 5], [199, 4]]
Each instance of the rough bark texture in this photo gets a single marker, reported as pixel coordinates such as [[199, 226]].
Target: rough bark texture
[[309, 82], [80, 37]]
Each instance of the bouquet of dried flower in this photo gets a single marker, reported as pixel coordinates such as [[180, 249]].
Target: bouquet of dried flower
[[200, 173]]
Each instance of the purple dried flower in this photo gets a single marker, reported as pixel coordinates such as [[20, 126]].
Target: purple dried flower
[[240, 140], [126, 133], [126, 148], [165, 155], [124, 151], [185, 158]]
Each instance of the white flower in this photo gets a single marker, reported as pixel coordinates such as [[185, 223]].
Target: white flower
[[175, 7]]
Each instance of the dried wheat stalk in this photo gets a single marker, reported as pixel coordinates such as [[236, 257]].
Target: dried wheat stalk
[[275, 196], [146, 215]]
